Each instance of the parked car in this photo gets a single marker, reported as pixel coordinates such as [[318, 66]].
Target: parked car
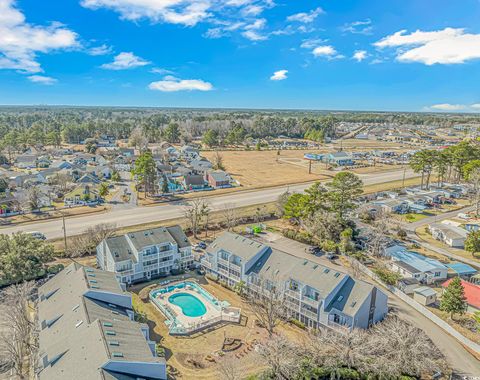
[[37, 235], [202, 245], [331, 256]]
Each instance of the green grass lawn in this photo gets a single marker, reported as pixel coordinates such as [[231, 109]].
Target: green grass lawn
[[412, 217]]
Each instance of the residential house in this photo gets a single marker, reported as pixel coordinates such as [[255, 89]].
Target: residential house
[[314, 294], [449, 234], [189, 153], [462, 270], [200, 166], [26, 161], [425, 295], [408, 285], [88, 179], [87, 330], [395, 206], [414, 265], [472, 294], [143, 255], [193, 182], [218, 179], [84, 194]]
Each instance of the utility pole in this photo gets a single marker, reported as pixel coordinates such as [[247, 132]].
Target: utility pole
[[309, 166], [403, 179], [64, 232]]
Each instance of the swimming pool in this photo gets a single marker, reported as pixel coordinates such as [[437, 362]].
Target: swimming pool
[[191, 306]]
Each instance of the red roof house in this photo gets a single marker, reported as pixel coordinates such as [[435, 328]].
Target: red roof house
[[472, 293]]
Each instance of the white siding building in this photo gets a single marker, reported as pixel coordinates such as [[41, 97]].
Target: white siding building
[[314, 294], [143, 255]]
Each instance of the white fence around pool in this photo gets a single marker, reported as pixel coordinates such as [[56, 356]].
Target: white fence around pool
[[227, 313]]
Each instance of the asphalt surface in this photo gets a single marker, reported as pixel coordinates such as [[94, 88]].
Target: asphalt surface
[[124, 217]]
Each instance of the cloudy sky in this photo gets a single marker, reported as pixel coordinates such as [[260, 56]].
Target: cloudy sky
[[406, 55]]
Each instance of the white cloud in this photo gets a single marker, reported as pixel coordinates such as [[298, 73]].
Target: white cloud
[[100, 50], [359, 55], [157, 70], [475, 106], [358, 27], [306, 17], [448, 107], [311, 43], [42, 79], [172, 84], [447, 46], [20, 41], [125, 60], [279, 75], [253, 31], [327, 51], [252, 10], [185, 12]]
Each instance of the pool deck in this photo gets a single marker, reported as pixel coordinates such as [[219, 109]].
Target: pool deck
[[182, 319]]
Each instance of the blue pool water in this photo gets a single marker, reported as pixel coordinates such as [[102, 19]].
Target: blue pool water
[[191, 306]]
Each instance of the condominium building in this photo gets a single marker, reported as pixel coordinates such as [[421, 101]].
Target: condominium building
[[313, 294], [87, 330], [143, 255]]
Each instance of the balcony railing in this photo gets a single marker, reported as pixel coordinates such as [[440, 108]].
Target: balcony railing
[[224, 262], [309, 301], [338, 325], [293, 293], [309, 314], [206, 264]]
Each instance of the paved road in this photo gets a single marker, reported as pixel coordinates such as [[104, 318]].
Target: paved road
[[129, 217], [436, 218], [458, 357]]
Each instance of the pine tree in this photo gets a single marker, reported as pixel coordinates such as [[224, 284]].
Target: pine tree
[[453, 299]]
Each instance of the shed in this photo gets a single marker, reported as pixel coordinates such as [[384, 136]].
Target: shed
[[425, 295]]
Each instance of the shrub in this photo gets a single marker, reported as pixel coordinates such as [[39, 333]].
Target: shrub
[[387, 276], [160, 350], [298, 323]]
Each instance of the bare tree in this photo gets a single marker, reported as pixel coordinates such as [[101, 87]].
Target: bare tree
[[33, 196], [85, 244], [474, 180], [218, 161], [17, 343], [265, 299], [138, 139], [337, 349], [229, 369], [281, 356], [230, 215], [400, 348], [281, 202], [195, 212], [62, 181]]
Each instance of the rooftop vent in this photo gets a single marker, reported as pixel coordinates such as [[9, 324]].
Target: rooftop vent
[[340, 299], [110, 332], [326, 270], [337, 274], [107, 324], [78, 324], [353, 304], [113, 343], [117, 354]]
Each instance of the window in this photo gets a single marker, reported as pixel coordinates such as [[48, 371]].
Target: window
[[117, 354], [110, 332], [113, 343], [437, 274], [107, 324]]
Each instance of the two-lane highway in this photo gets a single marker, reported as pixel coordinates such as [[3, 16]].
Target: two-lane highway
[[142, 215]]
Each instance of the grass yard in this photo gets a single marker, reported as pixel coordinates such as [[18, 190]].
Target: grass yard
[[190, 357]]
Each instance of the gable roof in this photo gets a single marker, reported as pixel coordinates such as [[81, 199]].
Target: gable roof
[[236, 244]]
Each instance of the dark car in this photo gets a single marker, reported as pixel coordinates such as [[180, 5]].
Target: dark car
[[202, 245], [313, 249]]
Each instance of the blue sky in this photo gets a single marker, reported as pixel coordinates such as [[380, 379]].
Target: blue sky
[[408, 55]]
